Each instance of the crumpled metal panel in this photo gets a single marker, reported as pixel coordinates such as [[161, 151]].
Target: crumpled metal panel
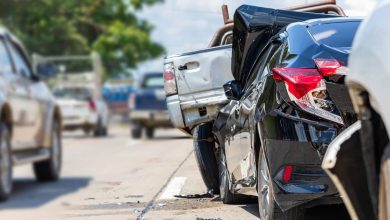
[[253, 28]]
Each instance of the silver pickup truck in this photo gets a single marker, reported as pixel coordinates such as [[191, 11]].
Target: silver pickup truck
[[194, 89], [194, 80]]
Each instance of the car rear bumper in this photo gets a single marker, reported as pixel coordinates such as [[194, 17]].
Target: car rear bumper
[[76, 122], [297, 143]]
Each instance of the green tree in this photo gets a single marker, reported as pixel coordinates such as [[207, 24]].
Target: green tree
[[64, 27]]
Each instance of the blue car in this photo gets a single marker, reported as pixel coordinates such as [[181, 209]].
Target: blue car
[[148, 108]]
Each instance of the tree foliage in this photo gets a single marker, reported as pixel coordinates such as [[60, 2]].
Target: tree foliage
[[64, 27]]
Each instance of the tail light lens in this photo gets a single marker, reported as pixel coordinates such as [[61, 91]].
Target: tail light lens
[[330, 67], [131, 101], [307, 89], [169, 79], [92, 105]]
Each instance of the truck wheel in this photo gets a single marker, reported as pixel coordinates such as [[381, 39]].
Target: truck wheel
[[268, 209], [384, 186], [49, 170], [5, 163], [205, 156], [226, 195], [149, 132], [136, 130]]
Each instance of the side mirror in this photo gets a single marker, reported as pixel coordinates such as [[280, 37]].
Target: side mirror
[[232, 90], [46, 70]]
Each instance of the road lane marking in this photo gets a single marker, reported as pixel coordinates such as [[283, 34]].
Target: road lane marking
[[149, 205], [174, 188]]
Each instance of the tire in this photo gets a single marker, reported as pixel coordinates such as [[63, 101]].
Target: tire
[[268, 209], [5, 163], [384, 186], [98, 129], [49, 170], [86, 131], [204, 147], [136, 130], [150, 133], [227, 197]]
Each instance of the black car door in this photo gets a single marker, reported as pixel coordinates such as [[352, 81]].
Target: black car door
[[239, 149]]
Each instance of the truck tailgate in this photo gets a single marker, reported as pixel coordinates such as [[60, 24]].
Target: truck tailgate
[[200, 76]]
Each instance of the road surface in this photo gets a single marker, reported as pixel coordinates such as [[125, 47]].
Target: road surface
[[120, 178]]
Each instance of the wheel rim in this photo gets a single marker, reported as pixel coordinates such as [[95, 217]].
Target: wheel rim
[[264, 190], [5, 163], [55, 150]]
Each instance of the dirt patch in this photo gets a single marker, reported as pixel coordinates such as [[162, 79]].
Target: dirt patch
[[187, 204]]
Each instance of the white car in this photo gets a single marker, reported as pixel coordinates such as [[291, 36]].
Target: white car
[[358, 161], [82, 108]]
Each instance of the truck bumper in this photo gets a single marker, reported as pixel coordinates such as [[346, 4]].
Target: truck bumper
[[151, 118], [175, 114]]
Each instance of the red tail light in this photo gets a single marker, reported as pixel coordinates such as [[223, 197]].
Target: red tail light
[[92, 105], [168, 75], [329, 67], [307, 88], [287, 173], [169, 79], [299, 81]]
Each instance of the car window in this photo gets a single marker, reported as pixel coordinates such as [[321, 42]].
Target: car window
[[78, 93], [5, 60], [20, 62], [338, 34], [155, 81]]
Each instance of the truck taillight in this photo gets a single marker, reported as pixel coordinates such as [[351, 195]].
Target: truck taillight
[[169, 79], [131, 101], [306, 87]]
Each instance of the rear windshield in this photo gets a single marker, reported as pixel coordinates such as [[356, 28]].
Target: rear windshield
[[73, 93], [153, 81], [339, 34]]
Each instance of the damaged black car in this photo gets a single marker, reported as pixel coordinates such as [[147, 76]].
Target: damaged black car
[[285, 107]]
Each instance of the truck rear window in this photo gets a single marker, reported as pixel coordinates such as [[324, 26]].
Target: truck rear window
[[337, 34], [154, 81]]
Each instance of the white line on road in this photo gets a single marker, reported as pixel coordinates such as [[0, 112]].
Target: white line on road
[[174, 188]]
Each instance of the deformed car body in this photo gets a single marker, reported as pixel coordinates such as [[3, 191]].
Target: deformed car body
[[30, 119], [148, 108], [284, 108], [358, 161]]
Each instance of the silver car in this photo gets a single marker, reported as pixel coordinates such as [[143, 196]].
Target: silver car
[[30, 123]]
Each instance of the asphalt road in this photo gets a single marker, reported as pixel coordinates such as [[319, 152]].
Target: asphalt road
[[120, 178]]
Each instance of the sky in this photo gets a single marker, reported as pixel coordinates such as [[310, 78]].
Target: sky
[[188, 25]]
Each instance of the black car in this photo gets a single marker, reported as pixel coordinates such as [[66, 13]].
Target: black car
[[285, 107]]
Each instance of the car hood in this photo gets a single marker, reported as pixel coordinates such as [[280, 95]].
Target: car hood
[[254, 27]]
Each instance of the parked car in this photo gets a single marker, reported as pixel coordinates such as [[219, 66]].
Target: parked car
[[30, 124], [148, 108], [358, 160], [282, 115], [83, 107]]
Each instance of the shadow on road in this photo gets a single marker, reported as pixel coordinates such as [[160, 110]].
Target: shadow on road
[[167, 138], [29, 193]]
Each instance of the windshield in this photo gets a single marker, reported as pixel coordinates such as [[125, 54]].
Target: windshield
[[73, 93], [153, 81], [338, 34]]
